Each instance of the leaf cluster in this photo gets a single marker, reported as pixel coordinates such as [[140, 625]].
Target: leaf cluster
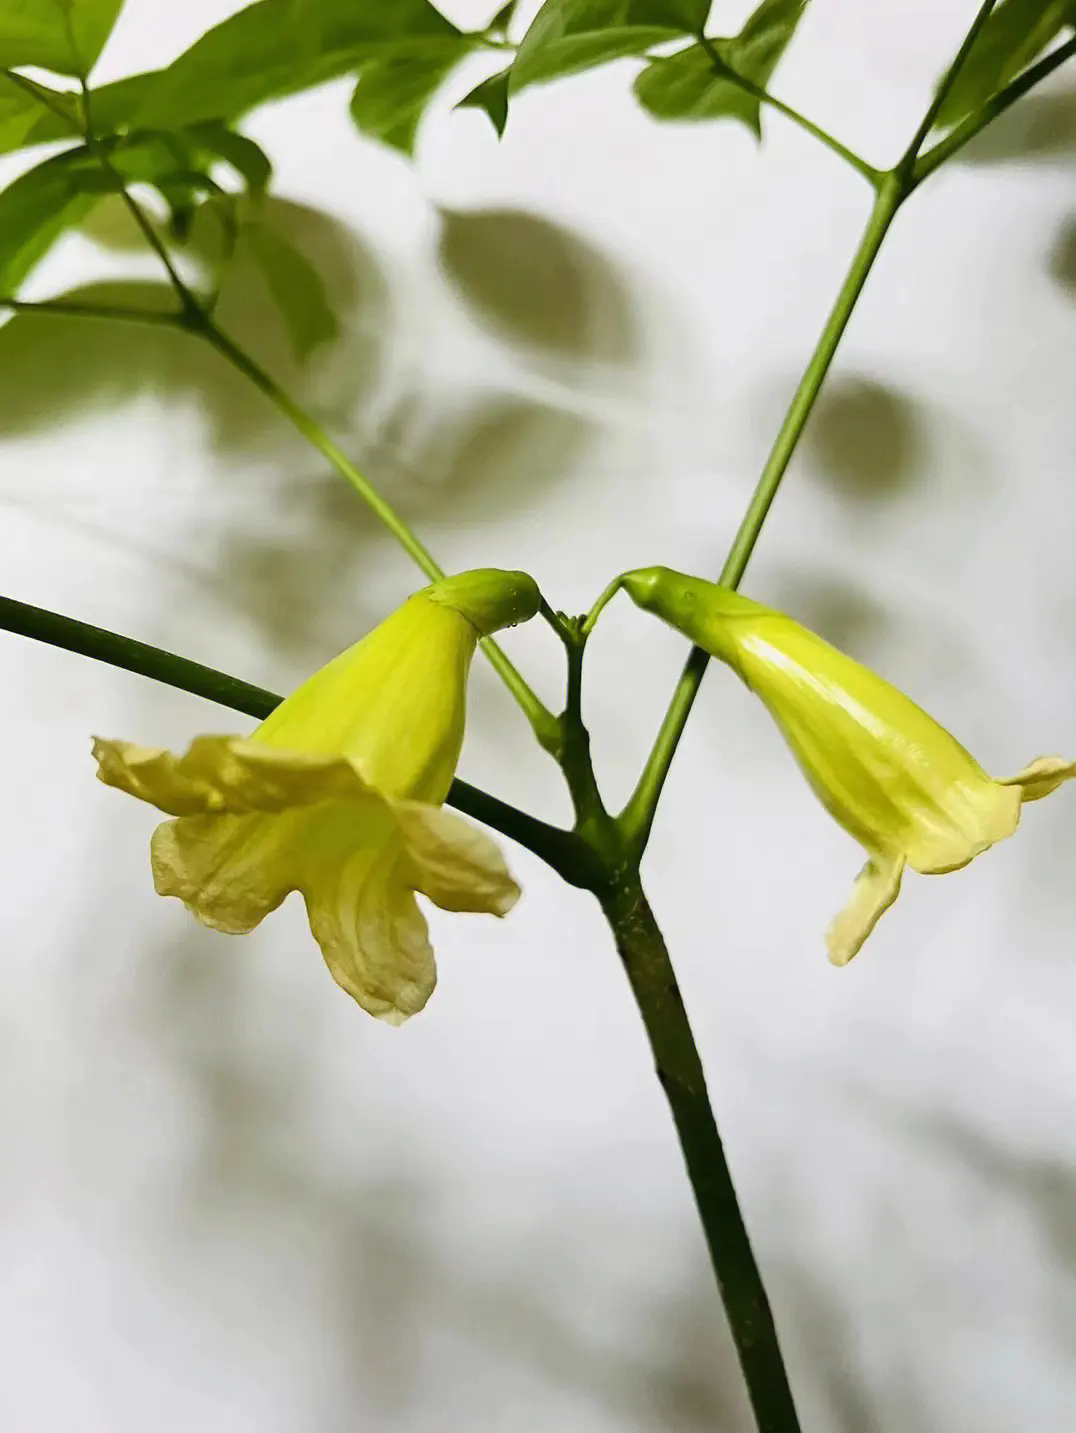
[[176, 129]]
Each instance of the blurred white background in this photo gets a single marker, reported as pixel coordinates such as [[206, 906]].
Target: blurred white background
[[228, 1199]]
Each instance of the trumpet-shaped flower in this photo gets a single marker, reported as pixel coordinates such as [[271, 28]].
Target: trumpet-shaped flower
[[338, 794], [886, 771]]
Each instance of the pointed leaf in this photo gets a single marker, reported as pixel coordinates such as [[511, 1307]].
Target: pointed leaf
[[393, 93], [700, 82], [492, 96], [571, 35], [65, 36], [503, 18], [1015, 34]]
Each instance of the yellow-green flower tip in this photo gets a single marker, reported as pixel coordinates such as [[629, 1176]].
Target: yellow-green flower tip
[[337, 795], [894, 778], [489, 598], [395, 702]]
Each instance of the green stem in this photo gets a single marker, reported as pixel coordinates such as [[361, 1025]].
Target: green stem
[[868, 171], [726, 72], [312, 431], [650, 973], [638, 816], [890, 197], [540, 717], [941, 94], [592, 820], [560, 849], [188, 302], [958, 137]]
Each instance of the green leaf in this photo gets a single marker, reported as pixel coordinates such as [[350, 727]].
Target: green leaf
[[393, 92], [503, 18], [65, 36], [58, 113], [34, 211], [1015, 34], [21, 109], [114, 109], [214, 140], [277, 47], [42, 203], [492, 96], [700, 82], [58, 195], [571, 35]]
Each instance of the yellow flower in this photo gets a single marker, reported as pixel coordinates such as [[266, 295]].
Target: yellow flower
[[338, 795], [886, 771]]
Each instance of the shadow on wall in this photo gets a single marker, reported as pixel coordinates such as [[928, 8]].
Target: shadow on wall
[[403, 1309], [406, 1310], [1041, 127], [546, 292], [1062, 260], [866, 441], [292, 541]]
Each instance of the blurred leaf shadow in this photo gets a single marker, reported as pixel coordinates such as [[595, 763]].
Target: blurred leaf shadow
[[483, 458], [1062, 260], [830, 1336], [544, 290], [1041, 127], [58, 367], [837, 609], [1039, 1187], [1043, 1186], [294, 544], [388, 1279], [865, 441]]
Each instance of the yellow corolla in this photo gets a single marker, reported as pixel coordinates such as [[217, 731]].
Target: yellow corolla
[[338, 795], [885, 770]]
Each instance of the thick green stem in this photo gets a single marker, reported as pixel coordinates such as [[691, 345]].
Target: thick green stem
[[646, 962], [566, 853], [638, 816]]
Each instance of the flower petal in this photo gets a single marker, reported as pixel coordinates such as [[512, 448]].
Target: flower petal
[[453, 863], [152, 774], [372, 934], [256, 823], [1045, 774], [876, 888], [229, 871], [228, 774]]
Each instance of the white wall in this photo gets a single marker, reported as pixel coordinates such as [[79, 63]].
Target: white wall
[[228, 1199]]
